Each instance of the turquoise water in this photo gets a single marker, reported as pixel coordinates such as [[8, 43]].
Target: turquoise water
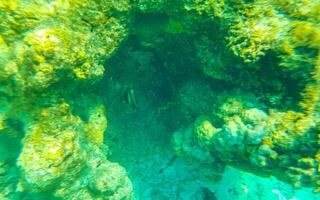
[[155, 100]]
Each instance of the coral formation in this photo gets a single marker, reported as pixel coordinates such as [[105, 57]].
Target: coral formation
[[58, 147], [267, 144], [48, 50], [283, 143], [243, 77]]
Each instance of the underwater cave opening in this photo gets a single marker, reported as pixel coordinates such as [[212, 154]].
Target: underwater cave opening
[[139, 136], [153, 87]]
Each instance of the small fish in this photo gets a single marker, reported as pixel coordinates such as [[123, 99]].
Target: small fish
[[245, 189], [130, 98], [171, 161]]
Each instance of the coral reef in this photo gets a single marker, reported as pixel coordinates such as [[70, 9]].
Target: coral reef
[[282, 144], [58, 147], [269, 140], [241, 77], [48, 50]]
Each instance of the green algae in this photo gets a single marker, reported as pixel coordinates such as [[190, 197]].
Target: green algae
[[214, 84]]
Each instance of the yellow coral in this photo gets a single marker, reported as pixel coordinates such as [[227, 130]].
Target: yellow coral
[[306, 34], [2, 125], [311, 97], [204, 131], [97, 125]]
